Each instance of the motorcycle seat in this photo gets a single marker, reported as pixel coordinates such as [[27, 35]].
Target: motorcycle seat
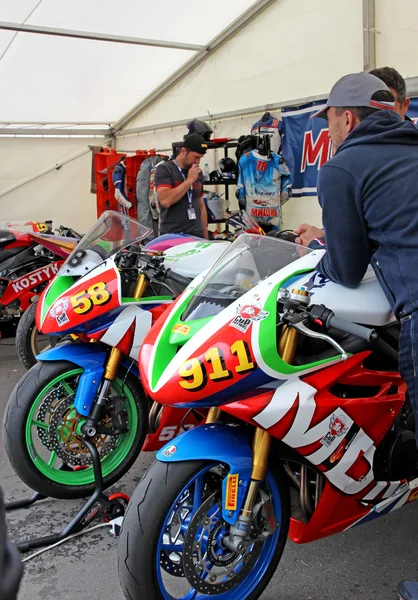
[[6, 238]]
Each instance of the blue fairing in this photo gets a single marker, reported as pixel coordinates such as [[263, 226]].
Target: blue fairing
[[224, 443], [92, 358]]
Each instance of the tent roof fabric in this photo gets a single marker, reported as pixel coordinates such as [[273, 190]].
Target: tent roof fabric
[[61, 81]]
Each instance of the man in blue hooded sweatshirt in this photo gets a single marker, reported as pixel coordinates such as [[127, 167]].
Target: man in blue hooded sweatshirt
[[368, 193]]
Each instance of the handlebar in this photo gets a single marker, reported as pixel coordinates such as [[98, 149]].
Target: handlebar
[[325, 319], [348, 327]]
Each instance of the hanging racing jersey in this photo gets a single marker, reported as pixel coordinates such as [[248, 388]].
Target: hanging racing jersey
[[269, 125], [264, 185]]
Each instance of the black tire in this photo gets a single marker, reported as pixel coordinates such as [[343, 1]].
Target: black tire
[[26, 337], [144, 519], [14, 424]]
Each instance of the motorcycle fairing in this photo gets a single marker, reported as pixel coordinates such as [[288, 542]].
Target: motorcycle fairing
[[22, 288], [169, 369], [220, 443], [61, 314], [191, 258]]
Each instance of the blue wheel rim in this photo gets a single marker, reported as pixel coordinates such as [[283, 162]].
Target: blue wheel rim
[[194, 491]]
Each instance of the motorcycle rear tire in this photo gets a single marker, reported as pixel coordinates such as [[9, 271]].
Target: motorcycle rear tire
[[16, 416], [25, 332]]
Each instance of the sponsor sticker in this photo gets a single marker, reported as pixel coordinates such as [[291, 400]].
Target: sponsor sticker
[[169, 451], [240, 324], [231, 499], [62, 319], [60, 307], [247, 313], [337, 428], [183, 329]]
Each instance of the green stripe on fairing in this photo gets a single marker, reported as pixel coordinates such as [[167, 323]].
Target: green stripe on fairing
[[267, 342], [147, 299], [59, 285], [169, 350], [109, 463]]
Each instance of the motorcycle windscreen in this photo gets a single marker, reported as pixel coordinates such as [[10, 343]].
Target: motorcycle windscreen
[[249, 260], [112, 232]]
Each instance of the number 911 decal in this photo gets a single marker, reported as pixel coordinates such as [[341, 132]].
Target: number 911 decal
[[195, 373]]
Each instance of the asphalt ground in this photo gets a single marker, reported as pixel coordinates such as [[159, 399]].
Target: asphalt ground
[[364, 563]]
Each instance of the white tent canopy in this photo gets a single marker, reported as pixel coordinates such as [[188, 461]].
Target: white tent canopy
[[130, 74], [50, 79]]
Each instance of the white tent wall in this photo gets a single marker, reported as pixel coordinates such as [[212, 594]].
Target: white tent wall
[[62, 195], [292, 50], [397, 36]]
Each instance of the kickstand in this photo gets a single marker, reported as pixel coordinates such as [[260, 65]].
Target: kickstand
[[96, 506]]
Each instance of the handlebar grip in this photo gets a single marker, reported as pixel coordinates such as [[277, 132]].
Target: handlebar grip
[[358, 330]]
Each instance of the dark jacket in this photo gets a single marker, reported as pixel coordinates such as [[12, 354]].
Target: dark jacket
[[369, 195]]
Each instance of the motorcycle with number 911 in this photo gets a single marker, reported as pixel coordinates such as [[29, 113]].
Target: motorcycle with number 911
[[309, 429]]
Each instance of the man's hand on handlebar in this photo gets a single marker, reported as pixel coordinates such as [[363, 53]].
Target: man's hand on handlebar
[[306, 233]]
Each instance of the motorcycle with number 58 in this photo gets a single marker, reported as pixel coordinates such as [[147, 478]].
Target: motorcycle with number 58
[[309, 429], [107, 294]]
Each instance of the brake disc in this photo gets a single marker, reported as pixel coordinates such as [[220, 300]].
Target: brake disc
[[208, 566], [171, 562], [62, 435]]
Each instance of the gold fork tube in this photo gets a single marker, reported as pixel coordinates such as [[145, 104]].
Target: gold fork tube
[[261, 449], [287, 343], [213, 415], [141, 286], [115, 357], [112, 364]]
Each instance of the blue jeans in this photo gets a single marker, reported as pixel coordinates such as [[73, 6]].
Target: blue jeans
[[407, 356]]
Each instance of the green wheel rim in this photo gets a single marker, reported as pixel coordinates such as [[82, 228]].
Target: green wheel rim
[[109, 463]]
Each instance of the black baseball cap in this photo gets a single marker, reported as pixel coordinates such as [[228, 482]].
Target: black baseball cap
[[356, 89], [195, 143]]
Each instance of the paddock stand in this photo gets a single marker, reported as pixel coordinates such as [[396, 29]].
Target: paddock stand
[[97, 506]]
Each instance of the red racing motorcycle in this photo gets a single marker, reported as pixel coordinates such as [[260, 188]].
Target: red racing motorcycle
[[309, 430], [28, 262]]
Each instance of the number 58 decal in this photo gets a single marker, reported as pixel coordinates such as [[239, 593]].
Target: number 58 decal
[[96, 295], [195, 374]]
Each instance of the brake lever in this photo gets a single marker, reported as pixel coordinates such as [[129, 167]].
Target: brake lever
[[301, 327]]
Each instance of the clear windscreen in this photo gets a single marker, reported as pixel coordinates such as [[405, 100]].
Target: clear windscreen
[[249, 260], [112, 232]]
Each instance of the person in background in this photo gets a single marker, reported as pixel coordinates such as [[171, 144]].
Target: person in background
[[179, 187], [119, 181], [397, 86]]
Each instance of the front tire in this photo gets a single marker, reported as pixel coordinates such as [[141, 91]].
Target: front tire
[[42, 432], [148, 554]]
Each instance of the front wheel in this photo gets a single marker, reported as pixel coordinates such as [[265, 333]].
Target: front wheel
[[43, 431], [170, 547]]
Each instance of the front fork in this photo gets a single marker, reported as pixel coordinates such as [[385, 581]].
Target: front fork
[[239, 532], [110, 372]]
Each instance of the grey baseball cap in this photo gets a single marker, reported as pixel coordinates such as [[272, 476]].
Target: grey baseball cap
[[356, 89]]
